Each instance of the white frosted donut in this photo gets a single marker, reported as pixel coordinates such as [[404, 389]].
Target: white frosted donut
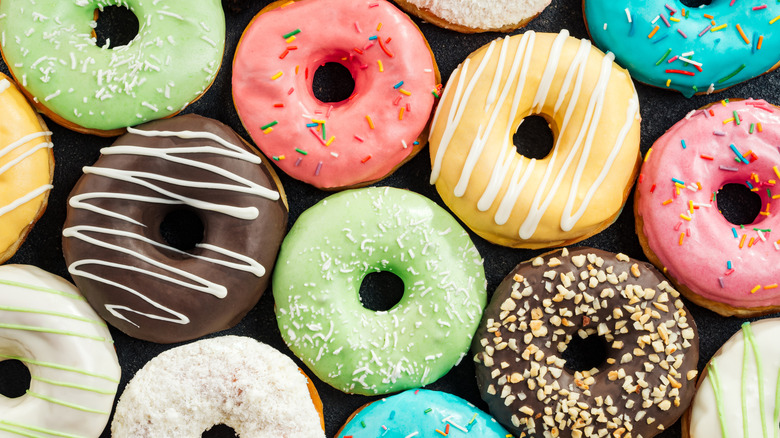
[[739, 392], [47, 325], [230, 380]]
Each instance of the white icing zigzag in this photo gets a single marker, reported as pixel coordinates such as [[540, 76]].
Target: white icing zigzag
[[90, 234]]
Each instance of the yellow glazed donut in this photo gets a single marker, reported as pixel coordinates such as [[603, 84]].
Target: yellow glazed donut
[[26, 167], [580, 187]]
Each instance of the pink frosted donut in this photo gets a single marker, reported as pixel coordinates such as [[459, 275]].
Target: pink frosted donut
[[343, 144], [730, 269]]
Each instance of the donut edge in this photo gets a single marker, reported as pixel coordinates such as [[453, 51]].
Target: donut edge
[[11, 250], [426, 15]]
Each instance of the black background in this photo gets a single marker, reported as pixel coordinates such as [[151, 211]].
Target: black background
[[660, 109]]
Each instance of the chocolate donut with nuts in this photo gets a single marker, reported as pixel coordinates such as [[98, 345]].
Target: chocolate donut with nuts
[[652, 347]]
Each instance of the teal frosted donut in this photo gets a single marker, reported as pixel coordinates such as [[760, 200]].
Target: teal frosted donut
[[50, 48], [692, 50], [421, 413], [316, 286]]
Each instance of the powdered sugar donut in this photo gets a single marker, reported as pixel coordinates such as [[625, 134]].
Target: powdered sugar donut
[[230, 380], [475, 15]]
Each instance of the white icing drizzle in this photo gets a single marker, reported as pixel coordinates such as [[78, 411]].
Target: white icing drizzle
[[481, 140], [453, 118], [4, 85], [194, 282], [15, 145], [521, 174]]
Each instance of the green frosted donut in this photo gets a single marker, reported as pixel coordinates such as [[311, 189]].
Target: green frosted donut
[[50, 49], [316, 286]]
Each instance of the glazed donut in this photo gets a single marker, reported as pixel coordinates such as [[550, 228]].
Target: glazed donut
[[420, 412], [26, 168], [571, 194], [650, 341], [50, 49], [333, 246], [737, 392], [117, 255], [475, 16], [691, 50], [714, 263], [335, 145], [231, 380], [47, 325]]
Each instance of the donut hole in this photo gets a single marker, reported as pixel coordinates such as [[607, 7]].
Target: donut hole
[[381, 291], [738, 204], [116, 26], [695, 3], [534, 138], [332, 82], [182, 229], [14, 379], [220, 431], [585, 354]]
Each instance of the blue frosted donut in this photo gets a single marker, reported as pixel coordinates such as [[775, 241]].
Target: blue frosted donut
[[702, 50], [421, 413]]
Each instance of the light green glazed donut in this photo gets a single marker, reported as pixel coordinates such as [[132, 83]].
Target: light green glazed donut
[[316, 286], [49, 47]]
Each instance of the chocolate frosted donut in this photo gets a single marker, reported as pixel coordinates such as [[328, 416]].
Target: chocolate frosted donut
[[651, 344], [115, 249]]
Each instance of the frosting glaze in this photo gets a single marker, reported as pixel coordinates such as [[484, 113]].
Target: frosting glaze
[[480, 15], [26, 168], [739, 393], [651, 346], [50, 48], [575, 191], [47, 325], [677, 211], [123, 265], [316, 286], [691, 50], [338, 144], [231, 380], [421, 413]]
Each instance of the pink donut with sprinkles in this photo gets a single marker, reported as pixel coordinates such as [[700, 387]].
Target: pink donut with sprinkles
[[335, 145], [730, 269]]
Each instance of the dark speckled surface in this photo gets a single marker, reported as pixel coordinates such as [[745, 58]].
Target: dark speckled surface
[[659, 108]]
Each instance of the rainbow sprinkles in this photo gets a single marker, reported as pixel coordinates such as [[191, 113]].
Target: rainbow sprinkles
[[700, 50]]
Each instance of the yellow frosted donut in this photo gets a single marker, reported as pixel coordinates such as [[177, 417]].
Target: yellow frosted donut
[[26, 167], [580, 187]]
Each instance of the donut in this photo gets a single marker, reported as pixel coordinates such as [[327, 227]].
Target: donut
[[419, 413], [46, 324], [470, 16], [127, 269], [691, 50], [737, 392], [335, 145], [230, 380], [323, 261], [580, 187], [51, 50], [714, 263], [650, 342], [26, 168]]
